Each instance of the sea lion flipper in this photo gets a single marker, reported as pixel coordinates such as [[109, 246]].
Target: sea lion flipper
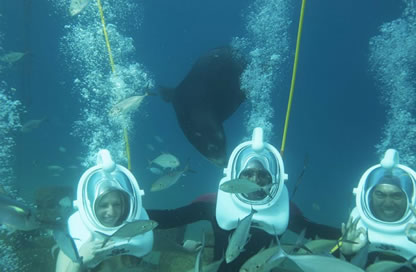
[[167, 93]]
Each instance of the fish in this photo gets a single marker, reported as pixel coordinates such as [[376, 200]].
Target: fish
[[31, 125], [166, 160], [168, 180], [389, 266], [385, 266], [131, 229], [198, 260], [17, 215], [240, 186], [316, 207], [257, 262], [310, 263], [156, 170], [159, 139], [150, 147], [12, 57], [66, 243], [208, 95], [127, 105], [318, 246], [76, 6], [65, 202], [56, 168], [62, 149], [239, 238]]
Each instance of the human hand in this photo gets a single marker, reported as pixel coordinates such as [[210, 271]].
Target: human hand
[[351, 233], [191, 245], [91, 248]]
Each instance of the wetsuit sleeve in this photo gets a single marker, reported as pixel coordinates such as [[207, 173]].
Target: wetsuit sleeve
[[297, 222], [189, 214]]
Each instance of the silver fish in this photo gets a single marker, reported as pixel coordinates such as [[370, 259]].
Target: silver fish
[[318, 246], [168, 180], [127, 105], [150, 147], [66, 243], [76, 6], [239, 238], [31, 125], [159, 139], [155, 170], [17, 215], [310, 263], [385, 266], [131, 229], [240, 186], [257, 262], [56, 168], [166, 160], [12, 57], [198, 260]]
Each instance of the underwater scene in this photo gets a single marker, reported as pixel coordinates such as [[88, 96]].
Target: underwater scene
[[238, 135]]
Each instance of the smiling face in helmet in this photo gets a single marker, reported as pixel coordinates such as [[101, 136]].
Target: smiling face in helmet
[[256, 172], [388, 202], [110, 208]]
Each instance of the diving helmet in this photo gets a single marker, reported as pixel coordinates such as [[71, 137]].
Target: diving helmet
[[258, 158], [386, 230], [390, 172], [107, 176]]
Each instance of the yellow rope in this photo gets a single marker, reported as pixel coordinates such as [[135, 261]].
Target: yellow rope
[[292, 85], [113, 69], [337, 246], [107, 42]]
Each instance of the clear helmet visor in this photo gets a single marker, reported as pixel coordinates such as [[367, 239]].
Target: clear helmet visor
[[387, 193], [260, 167], [109, 199]]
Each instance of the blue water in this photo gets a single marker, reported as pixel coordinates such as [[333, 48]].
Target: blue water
[[337, 117]]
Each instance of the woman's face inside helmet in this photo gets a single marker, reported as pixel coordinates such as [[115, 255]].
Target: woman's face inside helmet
[[388, 202], [110, 208], [256, 172]]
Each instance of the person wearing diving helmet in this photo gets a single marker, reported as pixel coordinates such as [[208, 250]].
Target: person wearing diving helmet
[[384, 217], [108, 198], [261, 163]]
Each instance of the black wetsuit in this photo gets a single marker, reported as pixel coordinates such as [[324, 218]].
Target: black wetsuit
[[205, 210], [378, 256]]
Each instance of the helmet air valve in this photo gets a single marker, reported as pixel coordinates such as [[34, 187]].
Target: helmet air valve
[[105, 161], [390, 160], [257, 139]]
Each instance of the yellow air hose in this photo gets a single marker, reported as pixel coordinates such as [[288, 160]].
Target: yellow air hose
[[110, 56], [292, 85]]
